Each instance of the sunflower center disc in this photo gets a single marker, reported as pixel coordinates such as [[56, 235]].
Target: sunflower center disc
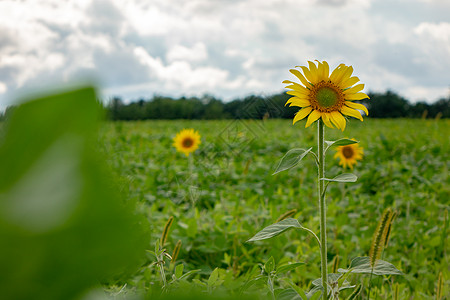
[[187, 142], [347, 152], [327, 97]]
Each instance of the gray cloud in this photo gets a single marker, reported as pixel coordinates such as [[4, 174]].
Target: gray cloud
[[226, 48], [332, 2], [103, 17]]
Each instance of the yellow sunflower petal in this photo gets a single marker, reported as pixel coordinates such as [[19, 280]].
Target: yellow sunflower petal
[[326, 120], [334, 122], [300, 76], [356, 96], [307, 74], [336, 72], [299, 88], [323, 70], [319, 71], [313, 117], [301, 114], [314, 72], [345, 74], [338, 120], [295, 101], [351, 112], [355, 89], [357, 106], [297, 93], [289, 101], [349, 82], [326, 70]]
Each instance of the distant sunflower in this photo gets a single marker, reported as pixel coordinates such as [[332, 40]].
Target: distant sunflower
[[187, 141], [326, 96], [348, 155]]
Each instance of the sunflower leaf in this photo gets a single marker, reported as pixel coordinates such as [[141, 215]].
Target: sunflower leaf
[[290, 294], [362, 265], [345, 177], [291, 159], [288, 267], [269, 266], [276, 229], [340, 142]]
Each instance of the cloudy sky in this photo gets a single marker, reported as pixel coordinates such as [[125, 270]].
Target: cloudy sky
[[227, 48]]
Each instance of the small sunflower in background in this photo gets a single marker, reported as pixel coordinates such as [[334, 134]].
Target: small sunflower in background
[[187, 141], [348, 155], [324, 95]]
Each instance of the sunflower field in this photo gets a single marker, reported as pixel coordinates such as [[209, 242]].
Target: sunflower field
[[195, 209], [231, 194]]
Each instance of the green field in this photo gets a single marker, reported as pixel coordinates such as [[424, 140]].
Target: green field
[[228, 194]]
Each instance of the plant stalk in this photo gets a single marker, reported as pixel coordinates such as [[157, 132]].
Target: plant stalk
[[322, 208], [191, 168], [162, 273]]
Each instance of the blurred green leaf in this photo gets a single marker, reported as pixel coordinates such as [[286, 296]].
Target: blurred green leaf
[[288, 267], [269, 266], [179, 270], [187, 274], [63, 223], [288, 294]]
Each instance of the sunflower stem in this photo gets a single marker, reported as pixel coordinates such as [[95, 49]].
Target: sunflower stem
[[322, 208], [191, 168]]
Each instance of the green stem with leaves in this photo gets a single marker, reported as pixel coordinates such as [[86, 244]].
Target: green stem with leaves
[[322, 207]]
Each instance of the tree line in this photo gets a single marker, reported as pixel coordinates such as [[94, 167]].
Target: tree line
[[380, 105]]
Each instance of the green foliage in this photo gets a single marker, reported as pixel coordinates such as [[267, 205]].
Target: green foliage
[[340, 142], [291, 159], [63, 225], [276, 229], [231, 195], [355, 293], [345, 177], [363, 265], [288, 267]]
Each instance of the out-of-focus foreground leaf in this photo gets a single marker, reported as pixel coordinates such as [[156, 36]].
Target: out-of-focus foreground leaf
[[63, 225]]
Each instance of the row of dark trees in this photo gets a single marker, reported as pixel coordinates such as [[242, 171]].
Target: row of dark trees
[[380, 105]]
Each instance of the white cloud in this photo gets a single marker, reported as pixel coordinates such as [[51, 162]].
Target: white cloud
[[180, 75], [226, 48], [146, 18], [195, 54], [434, 41], [3, 88], [438, 32]]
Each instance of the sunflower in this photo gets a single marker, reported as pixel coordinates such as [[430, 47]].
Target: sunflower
[[326, 96], [348, 155], [187, 141]]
